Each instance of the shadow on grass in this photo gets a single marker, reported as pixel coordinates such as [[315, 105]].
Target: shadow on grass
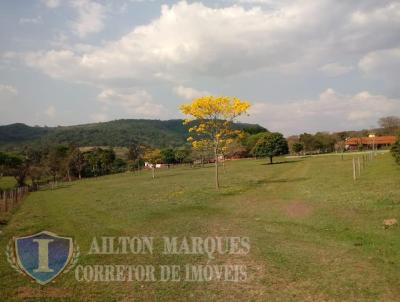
[[284, 180], [63, 186], [283, 162], [167, 175]]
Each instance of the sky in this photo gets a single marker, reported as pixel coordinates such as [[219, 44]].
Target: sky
[[304, 65]]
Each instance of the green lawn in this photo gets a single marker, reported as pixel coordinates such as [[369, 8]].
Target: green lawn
[[315, 235]]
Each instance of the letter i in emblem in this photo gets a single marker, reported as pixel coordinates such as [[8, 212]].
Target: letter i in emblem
[[43, 256]]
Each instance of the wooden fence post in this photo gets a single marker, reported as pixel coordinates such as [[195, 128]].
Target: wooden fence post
[[12, 200], [9, 199], [6, 202], [354, 170], [14, 191]]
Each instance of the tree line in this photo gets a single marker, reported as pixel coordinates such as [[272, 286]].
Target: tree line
[[69, 162], [215, 139], [57, 163]]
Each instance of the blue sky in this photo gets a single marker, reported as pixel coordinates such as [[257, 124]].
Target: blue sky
[[304, 65]]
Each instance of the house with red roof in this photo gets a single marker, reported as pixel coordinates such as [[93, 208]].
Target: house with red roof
[[370, 142]]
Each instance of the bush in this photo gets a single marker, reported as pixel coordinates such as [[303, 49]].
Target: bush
[[396, 151]]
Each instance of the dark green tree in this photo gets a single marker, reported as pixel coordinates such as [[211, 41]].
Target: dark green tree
[[297, 147], [16, 166], [181, 155], [3, 161], [77, 161], [134, 150], [395, 150], [119, 165], [107, 158], [308, 141], [325, 142], [93, 163], [55, 161], [251, 140], [168, 156], [270, 145]]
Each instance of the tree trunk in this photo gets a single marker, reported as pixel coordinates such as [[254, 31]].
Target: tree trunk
[[216, 168], [270, 159], [153, 170], [79, 175]]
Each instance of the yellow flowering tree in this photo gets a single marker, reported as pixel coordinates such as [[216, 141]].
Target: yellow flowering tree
[[212, 118]]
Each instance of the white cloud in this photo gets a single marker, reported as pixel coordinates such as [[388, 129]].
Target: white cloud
[[259, 2], [193, 40], [137, 103], [382, 63], [50, 111], [51, 3], [386, 13], [8, 55], [8, 90], [331, 111], [335, 69], [36, 20], [57, 64], [188, 92], [90, 19]]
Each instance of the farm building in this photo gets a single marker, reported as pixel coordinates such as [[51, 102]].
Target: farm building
[[149, 165], [370, 142]]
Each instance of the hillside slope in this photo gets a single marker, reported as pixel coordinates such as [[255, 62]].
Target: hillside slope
[[155, 133]]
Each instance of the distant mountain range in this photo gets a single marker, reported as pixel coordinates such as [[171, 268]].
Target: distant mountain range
[[154, 133]]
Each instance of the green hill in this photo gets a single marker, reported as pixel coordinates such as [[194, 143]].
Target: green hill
[[154, 133]]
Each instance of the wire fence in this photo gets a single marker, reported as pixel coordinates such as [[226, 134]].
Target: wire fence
[[11, 198]]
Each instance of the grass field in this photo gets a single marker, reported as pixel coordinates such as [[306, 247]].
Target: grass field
[[315, 235]]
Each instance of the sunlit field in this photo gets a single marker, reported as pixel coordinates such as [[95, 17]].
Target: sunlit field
[[315, 234]]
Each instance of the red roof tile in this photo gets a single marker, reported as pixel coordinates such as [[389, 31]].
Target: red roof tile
[[377, 140]]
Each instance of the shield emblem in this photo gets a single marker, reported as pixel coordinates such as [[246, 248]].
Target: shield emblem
[[43, 256]]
